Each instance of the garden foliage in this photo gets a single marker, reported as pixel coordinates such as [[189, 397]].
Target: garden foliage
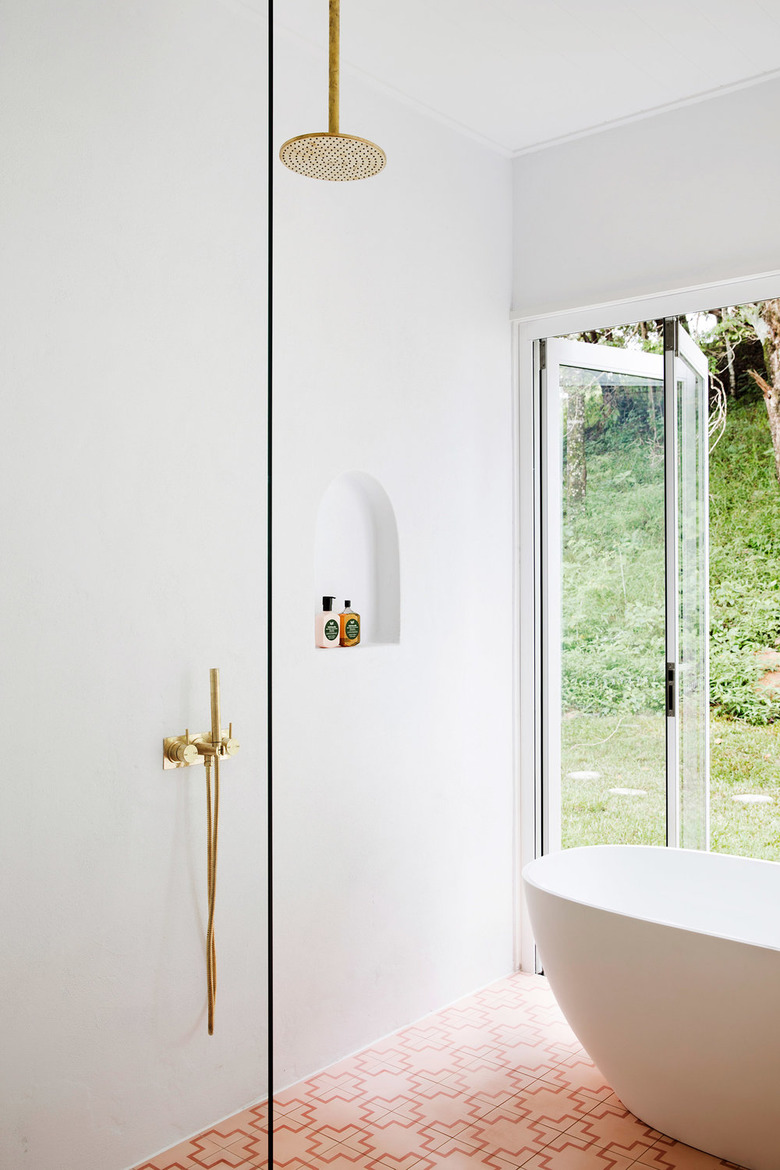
[[613, 549]]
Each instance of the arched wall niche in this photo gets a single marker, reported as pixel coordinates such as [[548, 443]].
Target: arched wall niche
[[356, 555]]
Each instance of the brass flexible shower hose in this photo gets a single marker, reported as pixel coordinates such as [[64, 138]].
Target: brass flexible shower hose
[[212, 813]]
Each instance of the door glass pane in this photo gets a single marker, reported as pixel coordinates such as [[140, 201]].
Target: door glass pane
[[613, 750], [693, 586]]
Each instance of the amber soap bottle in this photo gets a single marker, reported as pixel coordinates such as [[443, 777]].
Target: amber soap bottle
[[350, 626]]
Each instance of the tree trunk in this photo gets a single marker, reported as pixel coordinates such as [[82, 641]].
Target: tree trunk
[[769, 315], [576, 468]]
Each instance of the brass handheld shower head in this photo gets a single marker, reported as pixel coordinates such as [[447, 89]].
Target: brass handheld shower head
[[332, 155]]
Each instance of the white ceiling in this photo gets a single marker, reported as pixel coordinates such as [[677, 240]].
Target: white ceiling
[[519, 74]]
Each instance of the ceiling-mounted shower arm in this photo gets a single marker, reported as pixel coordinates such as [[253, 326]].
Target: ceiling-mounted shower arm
[[329, 154], [334, 23]]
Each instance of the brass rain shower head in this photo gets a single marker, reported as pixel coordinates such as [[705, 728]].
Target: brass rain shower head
[[334, 156]]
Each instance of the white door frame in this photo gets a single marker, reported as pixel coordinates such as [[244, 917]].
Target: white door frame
[[525, 330], [602, 359]]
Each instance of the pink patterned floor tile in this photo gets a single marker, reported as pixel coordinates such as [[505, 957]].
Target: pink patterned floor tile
[[530, 1060], [450, 1114], [387, 1050], [330, 1085], [356, 1139], [206, 1153], [246, 1124], [457, 1155], [288, 1101], [477, 1095], [492, 1083], [572, 1151], [505, 1039], [370, 1062], [556, 1107], [325, 1089], [290, 1122], [303, 1144], [340, 1114], [667, 1154], [436, 1064], [465, 1011], [392, 1085], [434, 1035], [510, 1137], [397, 1142], [520, 987], [565, 1154], [244, 1148], [579, 1074], [495, 1081], [341, 1158], [261, 1157], [553, 1044], [610, 1126]]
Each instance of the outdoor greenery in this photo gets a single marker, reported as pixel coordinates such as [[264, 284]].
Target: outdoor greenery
[[613, 550], [613, 609], [744, 564]]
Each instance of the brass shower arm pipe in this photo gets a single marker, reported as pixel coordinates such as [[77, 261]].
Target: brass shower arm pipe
[[333, 67]]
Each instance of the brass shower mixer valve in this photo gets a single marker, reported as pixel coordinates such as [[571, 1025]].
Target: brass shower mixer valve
[[181, 751]]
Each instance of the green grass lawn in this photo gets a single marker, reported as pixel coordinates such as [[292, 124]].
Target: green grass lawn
[[745, 759]]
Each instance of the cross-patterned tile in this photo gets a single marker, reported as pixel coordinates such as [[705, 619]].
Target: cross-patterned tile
[[397, 1142], [448, 1112], [610, 1126], [297, 1142], [569, 1152], [579, 1074], [495, 1082], [457, 1155], [508, 1136], [667, 1154], [556, 1107], [492, 1083]]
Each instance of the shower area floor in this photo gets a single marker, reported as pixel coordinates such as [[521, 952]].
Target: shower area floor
[[496, 1081]]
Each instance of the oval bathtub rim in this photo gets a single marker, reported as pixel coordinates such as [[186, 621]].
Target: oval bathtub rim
[[656, 921]]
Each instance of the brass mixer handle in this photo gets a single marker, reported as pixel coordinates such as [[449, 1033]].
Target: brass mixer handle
[[182, 753]]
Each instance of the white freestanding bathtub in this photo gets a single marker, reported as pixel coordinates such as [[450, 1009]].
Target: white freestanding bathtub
[[666, 963]]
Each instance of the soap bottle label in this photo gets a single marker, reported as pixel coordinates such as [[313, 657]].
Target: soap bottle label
[[352, 628], [331, 629]]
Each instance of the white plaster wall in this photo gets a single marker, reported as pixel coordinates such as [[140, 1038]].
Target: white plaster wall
[[679, 199], [133, 554], [393, 775]]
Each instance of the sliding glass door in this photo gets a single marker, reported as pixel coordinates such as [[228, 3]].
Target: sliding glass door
[[687, 493], [622, 593]]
